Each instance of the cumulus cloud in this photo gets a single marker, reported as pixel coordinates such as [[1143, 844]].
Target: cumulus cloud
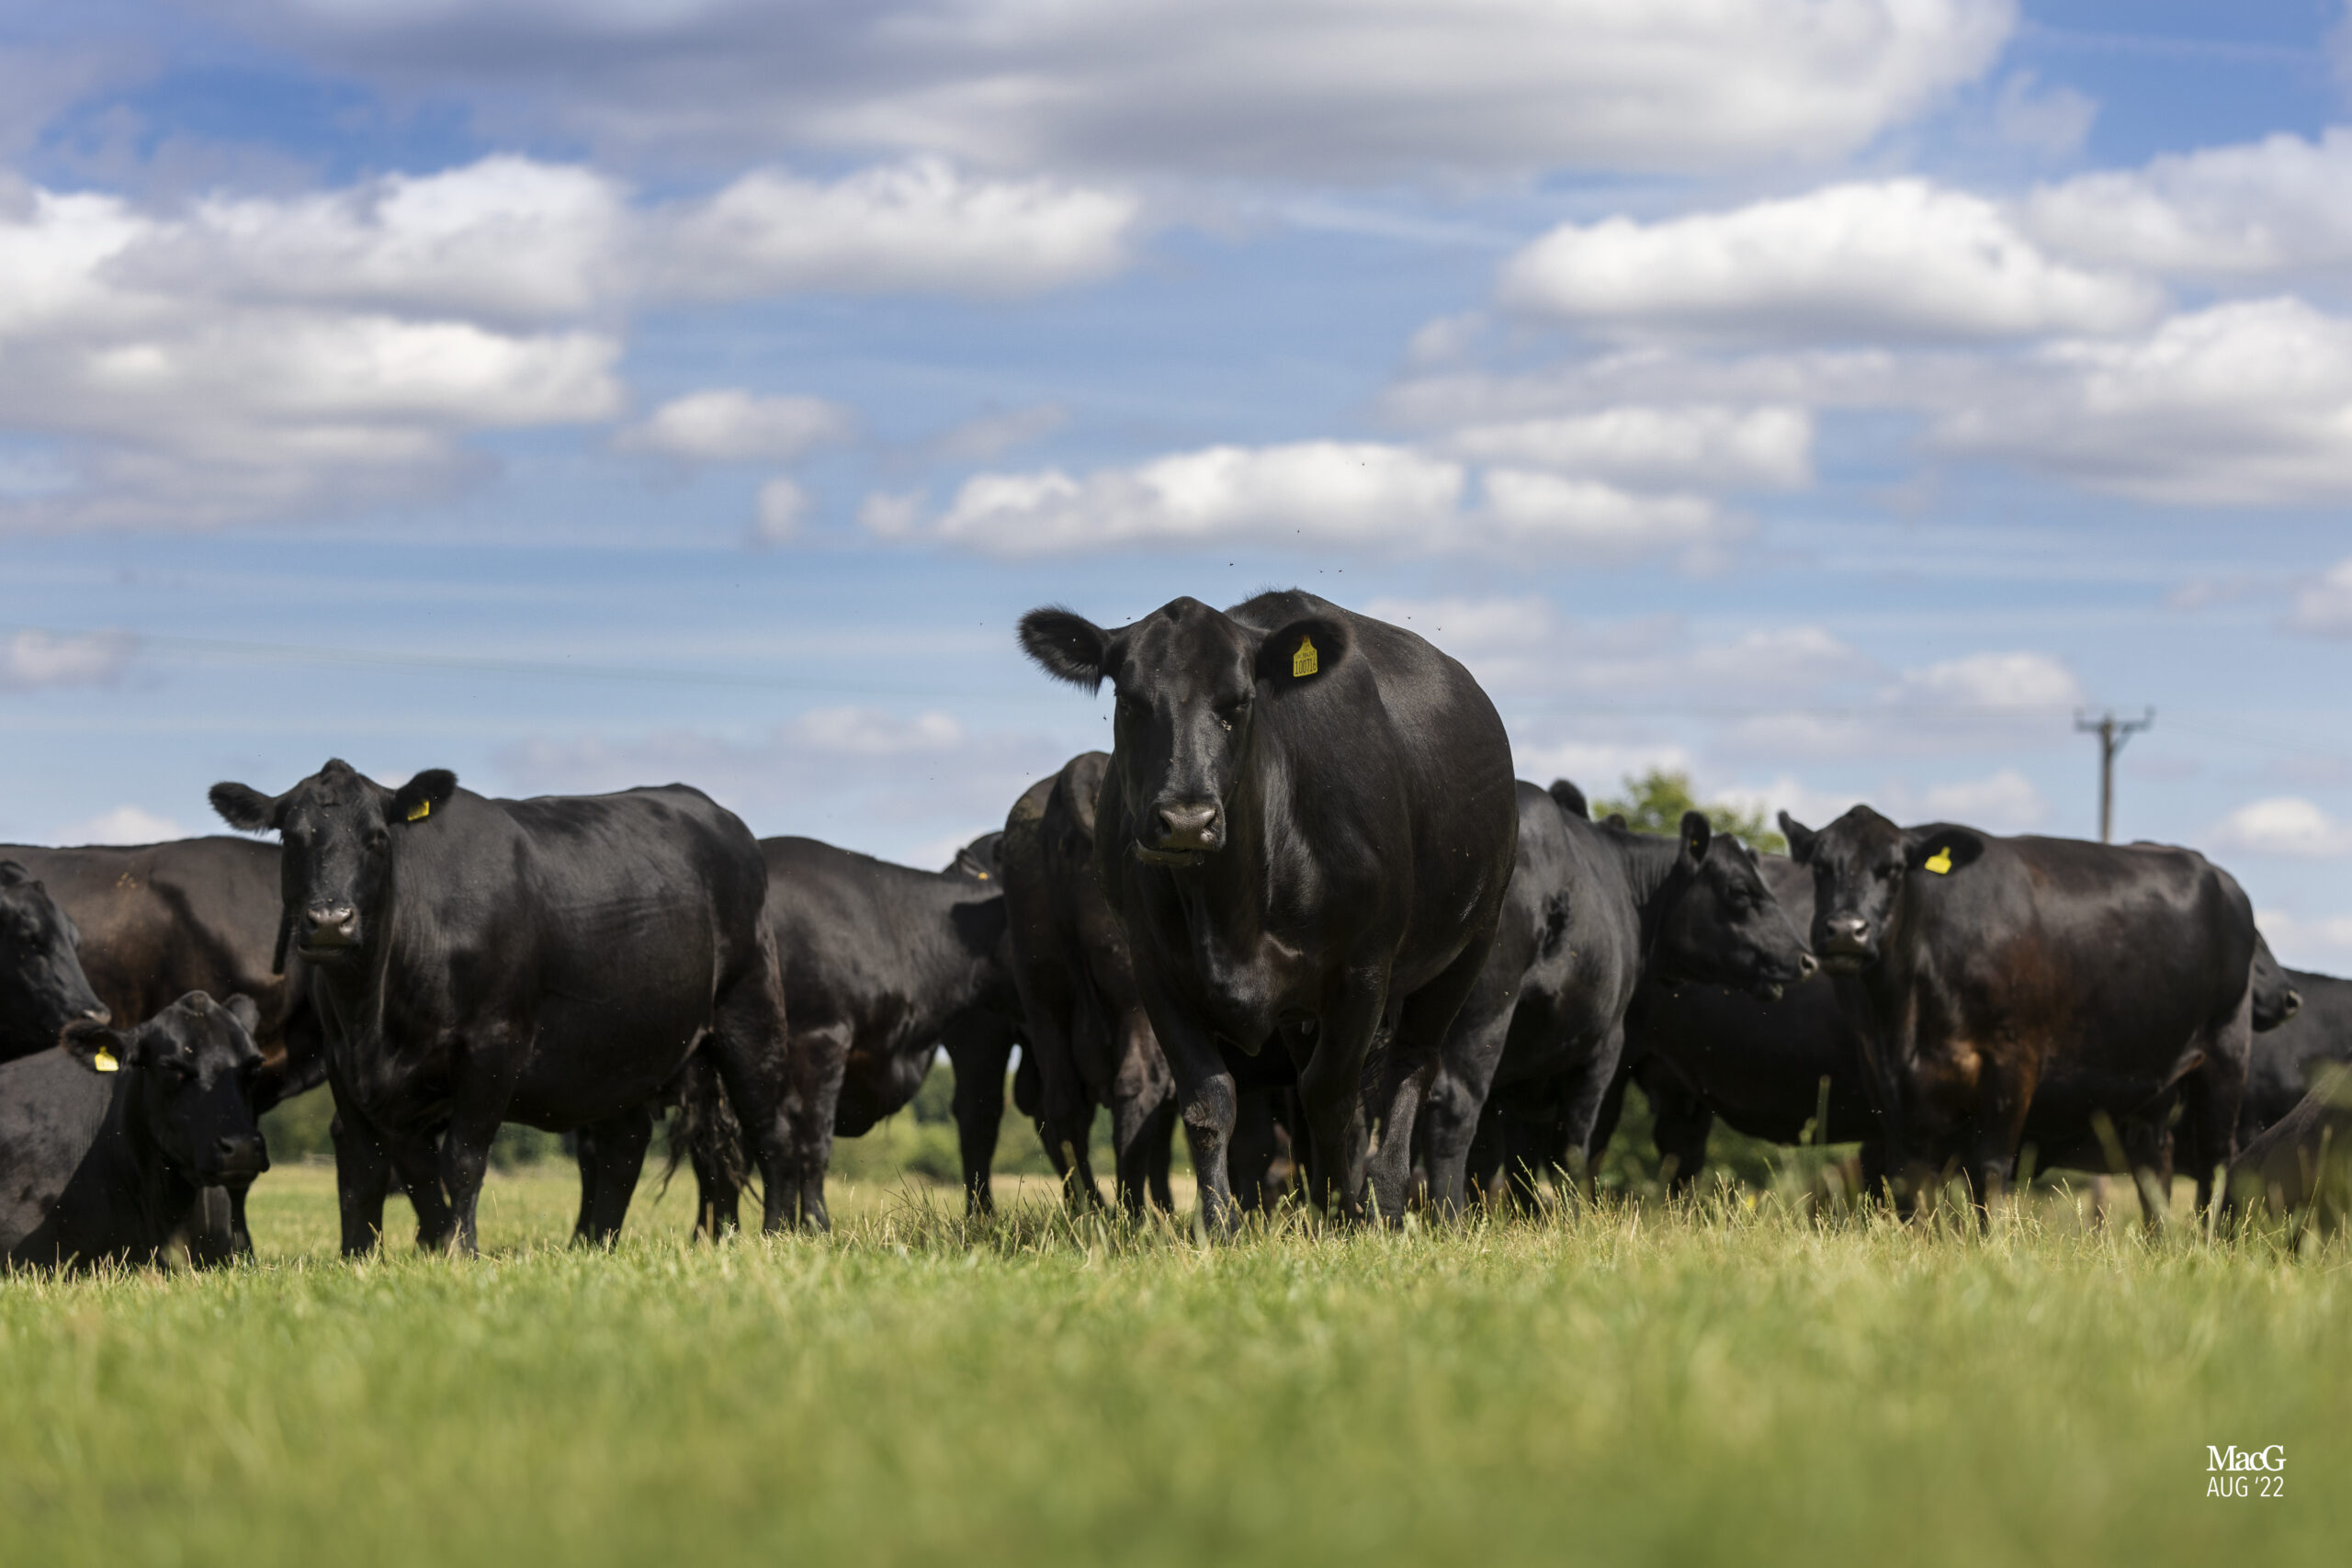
[[873, 765], [915, 227], [1314, 492], [2245, 403], [991, 436], [31, 660], [253, 357], [1978, 702], [779, 511], [2278, 207], [1901, 259], [1596, 766], [1257, 88], [1706, 446], [1993, 682], [2287, 826], [2325, 608], [2002, 802], [1360, 493], [731, 425], [123, 825]]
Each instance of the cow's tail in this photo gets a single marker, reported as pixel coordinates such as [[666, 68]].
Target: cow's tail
[[703, 1127]]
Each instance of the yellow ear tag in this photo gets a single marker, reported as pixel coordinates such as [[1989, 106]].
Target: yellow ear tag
[[1938, 863], [104, 1061], [1304, 664], [420, 811]]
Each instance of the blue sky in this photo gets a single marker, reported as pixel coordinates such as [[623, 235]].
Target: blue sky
[[1830, 397]]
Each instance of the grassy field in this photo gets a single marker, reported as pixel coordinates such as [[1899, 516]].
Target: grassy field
[[1712, 1383]]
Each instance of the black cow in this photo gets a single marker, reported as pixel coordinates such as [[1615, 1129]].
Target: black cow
[[551, 962], [2007, 990], [2287, 1061], [110, 1139], [882, 966], [1088, 1034], [1306, 827], [2304, 1160], [1592, 910], [160, 920], [42, 986], [1700, 1051]]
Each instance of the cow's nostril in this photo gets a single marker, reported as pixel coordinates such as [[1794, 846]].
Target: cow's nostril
[[1188, 823], [100, 1015], [1807, 967]]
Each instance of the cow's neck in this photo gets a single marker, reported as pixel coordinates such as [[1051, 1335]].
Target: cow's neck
[[959, 970], [162, 1193], [1654, 876]]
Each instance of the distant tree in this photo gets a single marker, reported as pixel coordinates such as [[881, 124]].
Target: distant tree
[[1654, 801]]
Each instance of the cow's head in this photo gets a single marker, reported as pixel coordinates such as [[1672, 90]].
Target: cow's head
[[1724, 927], [42, 988], [1189, 680], [2275, 997], [338, 828], [189, 1070], [1859, 864]]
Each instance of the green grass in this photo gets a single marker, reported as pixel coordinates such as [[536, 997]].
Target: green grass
[[1714, 1382]]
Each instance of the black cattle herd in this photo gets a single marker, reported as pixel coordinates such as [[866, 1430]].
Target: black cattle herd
[[1301, 908]]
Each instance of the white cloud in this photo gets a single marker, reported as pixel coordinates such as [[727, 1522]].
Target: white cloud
[[2052, 121], [916, 227], [32, 658], [1596, 767], [2247, 403], [1601, 522], [2022, 682], [2280, 205], [2324, 943], [733, 425], [506, 236], [853, 765], [1699, 446], [2002, 802], [989, 436], [1257, 88], [1902, 259], [123, 825], [2325, 608], [781, 508], [2285, 826], [1314, 492]]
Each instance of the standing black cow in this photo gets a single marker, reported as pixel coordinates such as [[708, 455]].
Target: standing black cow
[[42, 986], [1700, 1051], [551, 962], [882, 966], [1087, 1030], [1306, 827], [110, 1139], [1592, 910], [2287, 1060], [2011, 989]]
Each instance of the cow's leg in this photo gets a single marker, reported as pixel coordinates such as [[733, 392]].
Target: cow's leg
[[1159, 1151], [618, 1145], [1424, 1038], [1204, 1089], [584, 1154], [979, 1110], [240, 1240], [1140, 1088], [363, 1177], [2214, 1093], [783, 1087], [1679, 1122], [1612, 1103], [1331, 1087], [1450, 1117]]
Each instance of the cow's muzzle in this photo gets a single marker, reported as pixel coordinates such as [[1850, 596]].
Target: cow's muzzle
[[329, 931], [1846, 945], [246, 1155]]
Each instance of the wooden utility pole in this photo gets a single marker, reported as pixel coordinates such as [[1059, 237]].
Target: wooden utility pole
[[2112, 733]]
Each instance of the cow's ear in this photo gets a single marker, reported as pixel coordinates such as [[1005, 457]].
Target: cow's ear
[[1303, 652], [1571, 800], [423, 795], [97, 1046], [1068, 647], [1941, 849], [241, 1007], [247, 808], [1697, 833], [1800, 838]]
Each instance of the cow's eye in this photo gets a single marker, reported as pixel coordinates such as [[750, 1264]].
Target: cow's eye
[[179, 1067]]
